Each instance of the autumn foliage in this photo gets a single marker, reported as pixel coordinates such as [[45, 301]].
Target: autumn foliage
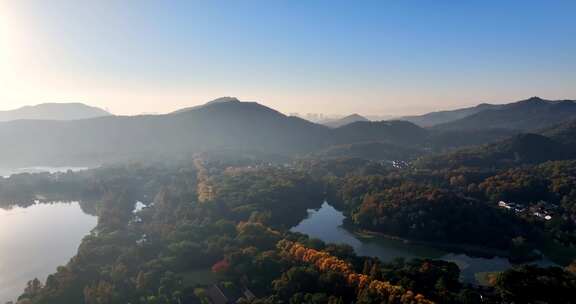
[[220, 266], [205, 189], [323, 261]]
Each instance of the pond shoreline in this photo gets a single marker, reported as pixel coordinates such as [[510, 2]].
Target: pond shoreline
[[329, 225], [473, 250], [468, 249]]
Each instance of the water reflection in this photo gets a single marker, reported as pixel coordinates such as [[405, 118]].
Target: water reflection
[[326, 224], [34, 240]]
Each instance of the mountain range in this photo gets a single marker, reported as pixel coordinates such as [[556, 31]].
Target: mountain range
[[233, 125], [53, 111], [218, 125]]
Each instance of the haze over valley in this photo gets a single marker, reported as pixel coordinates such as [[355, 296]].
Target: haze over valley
[[234, 125], [226, 147]]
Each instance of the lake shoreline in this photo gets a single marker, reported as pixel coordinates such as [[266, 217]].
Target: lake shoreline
[[39, 232]]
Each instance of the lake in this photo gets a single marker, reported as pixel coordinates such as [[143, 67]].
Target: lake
[[326, 224], [35, 240]]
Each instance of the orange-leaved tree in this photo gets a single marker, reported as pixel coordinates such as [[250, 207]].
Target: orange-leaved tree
[[323, 261]]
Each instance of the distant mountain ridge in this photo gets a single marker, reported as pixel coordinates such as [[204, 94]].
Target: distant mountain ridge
[[54, 111], [215, 101], [525, 115], [440, 117], [225, 124], [228, 124], [336, 123]]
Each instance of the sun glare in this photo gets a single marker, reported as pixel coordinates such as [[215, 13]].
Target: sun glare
[[9, 44]]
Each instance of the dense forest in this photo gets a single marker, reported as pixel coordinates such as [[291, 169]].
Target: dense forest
[[215, 227]]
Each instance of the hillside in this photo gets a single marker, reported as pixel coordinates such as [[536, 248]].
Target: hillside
[[526, 115], [378, 151], [336, 123], [520, 149], [440, 117], [397, 132], [564, 133], [53, 111], [441, 140]]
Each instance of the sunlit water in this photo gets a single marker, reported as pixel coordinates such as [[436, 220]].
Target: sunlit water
[[326, 224], [34, 241]]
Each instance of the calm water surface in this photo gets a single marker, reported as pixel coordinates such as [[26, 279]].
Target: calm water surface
[[326, 224], [35, 240]]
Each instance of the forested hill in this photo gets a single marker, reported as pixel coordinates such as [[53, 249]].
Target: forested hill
[[54, 111], [564, 133], [226, 124], [398, 132], [518, 150]]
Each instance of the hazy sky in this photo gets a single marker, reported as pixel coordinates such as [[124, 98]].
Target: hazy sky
[[335, 57]]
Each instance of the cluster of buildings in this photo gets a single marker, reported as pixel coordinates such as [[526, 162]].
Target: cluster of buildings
[[313, 117], [400, 164], [537, 211]]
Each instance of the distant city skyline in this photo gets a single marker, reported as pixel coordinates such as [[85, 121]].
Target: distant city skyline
[[331, 57]]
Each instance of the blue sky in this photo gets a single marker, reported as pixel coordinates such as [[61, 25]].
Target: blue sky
[[336, 57]]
